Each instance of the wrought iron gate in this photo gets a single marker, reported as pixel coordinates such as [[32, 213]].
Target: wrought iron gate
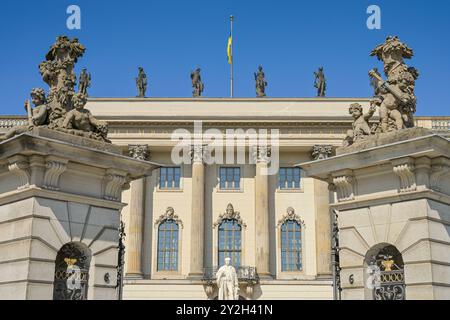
[[390, 282]]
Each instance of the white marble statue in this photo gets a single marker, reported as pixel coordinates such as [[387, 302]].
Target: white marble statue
[[227, 282]]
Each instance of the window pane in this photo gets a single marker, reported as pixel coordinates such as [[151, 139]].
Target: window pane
[[167, 255], [229, 242], [229, 178], [291, 246]]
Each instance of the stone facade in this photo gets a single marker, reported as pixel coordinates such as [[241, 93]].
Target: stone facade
[[303, 124]]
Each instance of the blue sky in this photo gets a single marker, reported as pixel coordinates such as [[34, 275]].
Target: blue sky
[[169, 38]]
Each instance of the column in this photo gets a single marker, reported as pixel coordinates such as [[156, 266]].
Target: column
[[197, 211], [135, 230], [322, 215], [323, 228], [262, 212]]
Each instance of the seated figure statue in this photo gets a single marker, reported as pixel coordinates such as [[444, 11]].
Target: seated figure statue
[[80, 121], [39, 114], [361, 127]]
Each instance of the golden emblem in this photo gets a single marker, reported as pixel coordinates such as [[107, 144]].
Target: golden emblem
[[70, 262], [387, 263]]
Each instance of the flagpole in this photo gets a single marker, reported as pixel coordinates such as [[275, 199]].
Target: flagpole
[[232, 58]]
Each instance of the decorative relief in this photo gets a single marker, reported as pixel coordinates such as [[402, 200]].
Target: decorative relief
[[114, 183], [53, 171], [199, 153], [291, 216], [404, 169], [320, 152], [344, 187], [261, 153], [20, 167], [139, 152], [439, 169], [169, 215], [229, 214]]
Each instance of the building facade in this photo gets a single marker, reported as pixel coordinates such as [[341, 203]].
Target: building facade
[[182, 221]]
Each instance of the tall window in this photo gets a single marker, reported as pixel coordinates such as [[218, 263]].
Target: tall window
[[289, 178], [168, 246], [230, 242], [169, 178], [230, 178], [291, 246]]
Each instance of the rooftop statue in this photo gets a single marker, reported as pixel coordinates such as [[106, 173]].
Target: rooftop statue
[[260, 83], [84, 82], [394, 96], [62, 103], [197, 83], [320, 82], [141, 83]]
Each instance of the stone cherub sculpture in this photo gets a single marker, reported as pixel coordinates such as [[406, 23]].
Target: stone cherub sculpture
[[320, 82], [39, 114], [62, 109], [78, 121], [227, 282], [260, 83], [395, 97], [361, 127], [141, 83], [85, 82], [197, 83]]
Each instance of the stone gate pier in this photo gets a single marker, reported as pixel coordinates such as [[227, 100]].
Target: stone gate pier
[[60, 204], [392, 200]]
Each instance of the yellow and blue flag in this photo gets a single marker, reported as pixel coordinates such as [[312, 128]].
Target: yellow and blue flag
[[229, 52]]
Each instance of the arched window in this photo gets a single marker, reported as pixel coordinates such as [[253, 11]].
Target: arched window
[[291, 242], [291, 246], [168, 239], [230, 242]]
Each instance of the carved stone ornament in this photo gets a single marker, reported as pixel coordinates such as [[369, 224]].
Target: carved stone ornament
[[63, 108], [169, 215], [54, 169], [439, 170], [199, 153], [320, 152], [291, 216], [229, 214], [261, 153], [139, 152], [404, 169], [19, 166], [344, 187], [114, 182]]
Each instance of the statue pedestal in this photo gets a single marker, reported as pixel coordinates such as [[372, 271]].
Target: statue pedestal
[[60, 203], [393, 205]]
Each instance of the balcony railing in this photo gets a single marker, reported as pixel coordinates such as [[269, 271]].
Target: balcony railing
[[245, 275]]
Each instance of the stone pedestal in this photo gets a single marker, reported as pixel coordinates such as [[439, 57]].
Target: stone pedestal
[[60, 203], [393, 203]]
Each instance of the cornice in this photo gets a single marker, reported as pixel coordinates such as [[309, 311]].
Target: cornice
[[224, 99]]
